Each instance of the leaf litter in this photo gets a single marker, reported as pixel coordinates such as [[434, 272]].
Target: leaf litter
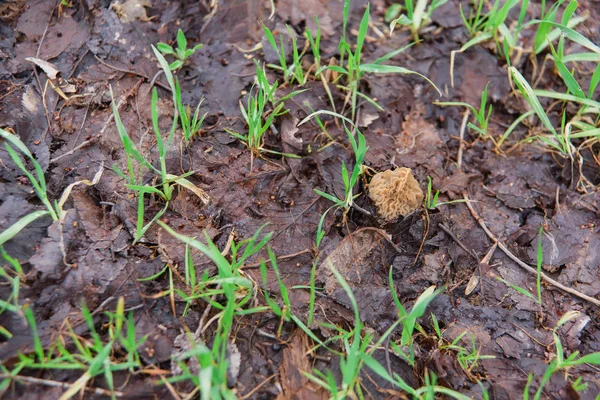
[[91, 258]]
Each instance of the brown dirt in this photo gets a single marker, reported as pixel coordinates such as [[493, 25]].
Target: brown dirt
[[515, 193]]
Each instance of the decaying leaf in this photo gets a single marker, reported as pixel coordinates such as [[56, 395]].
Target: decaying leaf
[[49, 68]]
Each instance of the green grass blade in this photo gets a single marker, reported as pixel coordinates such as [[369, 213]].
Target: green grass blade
[[393, 69], [532, 99], [15, 228], [566, 74]]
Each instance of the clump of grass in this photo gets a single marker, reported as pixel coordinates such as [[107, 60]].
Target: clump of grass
[[13, 274], [191, 124], [431, 199], [229, 292], [482, 116], [355, 68], [262, 107], [468, 359], [294, 72], [181, 52], [93, 356], [417, 16], [563, 364], [136, 162], [493, 25], [561, 140], [14, 146]]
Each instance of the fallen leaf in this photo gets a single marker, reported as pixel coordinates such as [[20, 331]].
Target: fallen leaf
[[49, 68]]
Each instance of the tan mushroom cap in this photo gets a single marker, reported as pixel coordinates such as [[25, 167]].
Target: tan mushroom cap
[[395, 193]]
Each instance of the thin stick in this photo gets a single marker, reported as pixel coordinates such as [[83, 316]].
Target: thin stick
[[64, 385], [528, 268], [457, 240], [463, 128], [250, 393], [128, 71]]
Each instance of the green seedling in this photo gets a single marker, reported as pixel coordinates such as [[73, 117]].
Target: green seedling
[[14, 146], [359, 147], [555, 141], [92, 356], [165, 189], [355, 69], [237, 291], [315, 44], [493, 25], [285, 313], [13, 274], [409, 319], [431, 199], [261, 110], [181, 52], [293, 72], [358, 351], [561, 140], [563, 364], [468, 359], [481, 116], [190, 124], [356, 355], [417, 16]]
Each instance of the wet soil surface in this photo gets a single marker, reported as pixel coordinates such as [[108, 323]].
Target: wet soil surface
[[514, 192]]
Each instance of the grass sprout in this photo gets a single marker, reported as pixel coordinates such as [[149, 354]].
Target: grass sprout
[[259, 113], [482, 116], [409, 319], [237, 292], [92, 356], [431, 199], [14, 146], [181, 52], [359, 148], [418, 15], [494, 25], [294, 71], [190, 123], [13, 274], [561, 363], [468, 359], [354, 68], [133, 176]]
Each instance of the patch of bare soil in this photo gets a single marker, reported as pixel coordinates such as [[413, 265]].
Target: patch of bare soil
[[90, 257]]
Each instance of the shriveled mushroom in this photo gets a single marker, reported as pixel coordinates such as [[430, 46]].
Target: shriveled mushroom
[[395, 193]]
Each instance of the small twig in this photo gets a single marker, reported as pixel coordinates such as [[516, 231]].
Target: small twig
[[77, 63], [128, 71], [525, 266], [93, 139], [68, 153], [457, 240], [250, 393], [63, 385], [463, 128], [87, 109]]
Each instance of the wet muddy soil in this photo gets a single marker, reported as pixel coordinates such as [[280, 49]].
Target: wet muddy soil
[[91, 259]]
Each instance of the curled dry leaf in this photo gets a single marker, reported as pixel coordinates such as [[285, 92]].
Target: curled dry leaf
[[49, 68]]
